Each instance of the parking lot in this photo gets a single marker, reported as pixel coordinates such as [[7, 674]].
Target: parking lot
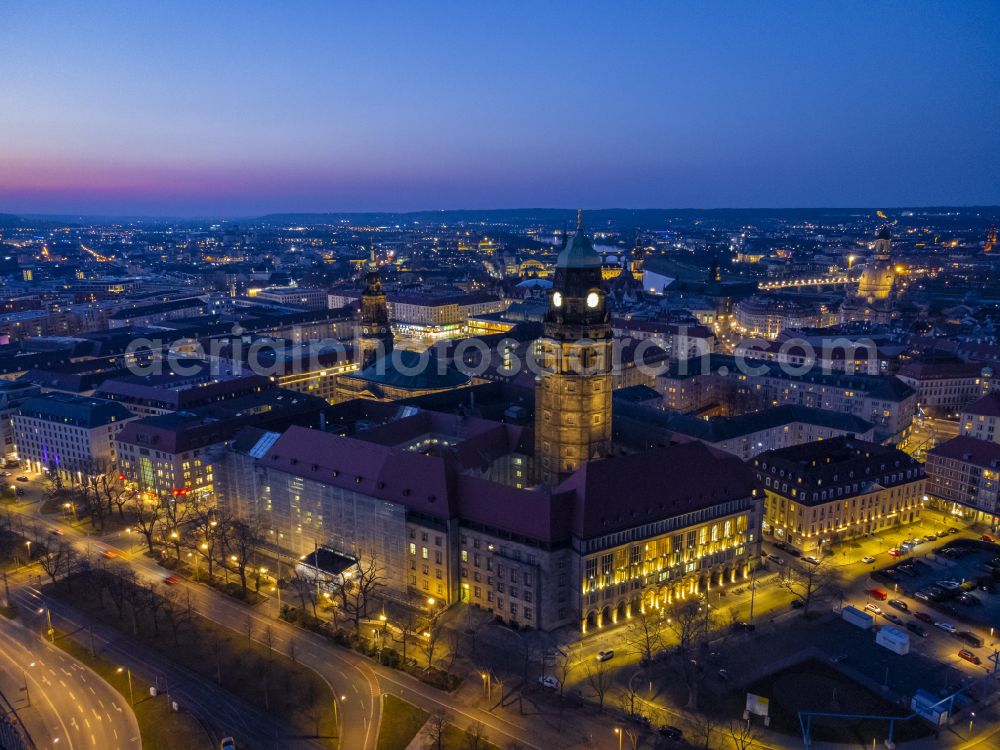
[[952, 580]]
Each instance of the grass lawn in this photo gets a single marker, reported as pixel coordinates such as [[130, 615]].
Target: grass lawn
[[400, 723], [265, 679], [459, 739], [161, 728]]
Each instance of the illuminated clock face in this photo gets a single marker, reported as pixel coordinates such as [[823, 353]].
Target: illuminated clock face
[[592, 299], [557, 299]]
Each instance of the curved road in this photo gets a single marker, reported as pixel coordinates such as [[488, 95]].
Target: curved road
[[67, 706], [357, 683]]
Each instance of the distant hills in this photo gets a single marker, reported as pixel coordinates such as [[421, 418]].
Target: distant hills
[[639, 218], [646, 218], [9, 221]]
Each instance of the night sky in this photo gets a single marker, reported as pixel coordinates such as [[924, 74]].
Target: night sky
[[239, 108]]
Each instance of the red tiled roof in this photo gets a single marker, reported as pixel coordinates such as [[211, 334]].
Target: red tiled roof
[[967, 449], [618, 493], [939, 370], [987, 406], [411, 479]]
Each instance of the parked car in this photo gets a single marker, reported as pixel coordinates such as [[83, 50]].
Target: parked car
[[895, 552], [949, 585], [968, 599], [873, 608], [922, 595], [946, 627], [969, 656], [776, 559], [932, 537], [171, 580], [917, 629], [547, 680], [228, 743], [746, 626], [56, 532], [867, 559], [605, 655], [671, 732], [22, 479], [798, 604], [987, 538], [811, 560], [924, 617], [952, 530], [971, 638], [899, 604], [895, 619]]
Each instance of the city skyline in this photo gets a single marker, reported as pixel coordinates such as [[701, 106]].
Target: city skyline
[[209, 112]]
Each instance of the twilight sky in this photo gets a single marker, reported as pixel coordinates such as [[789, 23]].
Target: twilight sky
[[237, 108]]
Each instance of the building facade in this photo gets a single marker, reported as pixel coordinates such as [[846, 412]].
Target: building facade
[[981, 419], [885, 401], [963, 479], [943, 388], [830, 491], [69, 436]]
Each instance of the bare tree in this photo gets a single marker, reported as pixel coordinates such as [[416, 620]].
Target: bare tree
[[809, 583], [409, 628], [432, 634], [147, 517], [643, 634], [58, 559], [563, 667], [210, 526], [173, 612], [628, 700], [704, 731], [475, 737], [599, 679], [691, 621], [243, 542], [744, 735], [356, 590], [85, 496], [436, 729], [306, 589]]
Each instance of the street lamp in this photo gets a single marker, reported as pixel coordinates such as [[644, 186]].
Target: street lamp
[[131, 698], [336, 709], [618, 731], [487, 687]]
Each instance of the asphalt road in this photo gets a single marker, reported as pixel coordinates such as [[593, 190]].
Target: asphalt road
[[354, 680], [66, 705]]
